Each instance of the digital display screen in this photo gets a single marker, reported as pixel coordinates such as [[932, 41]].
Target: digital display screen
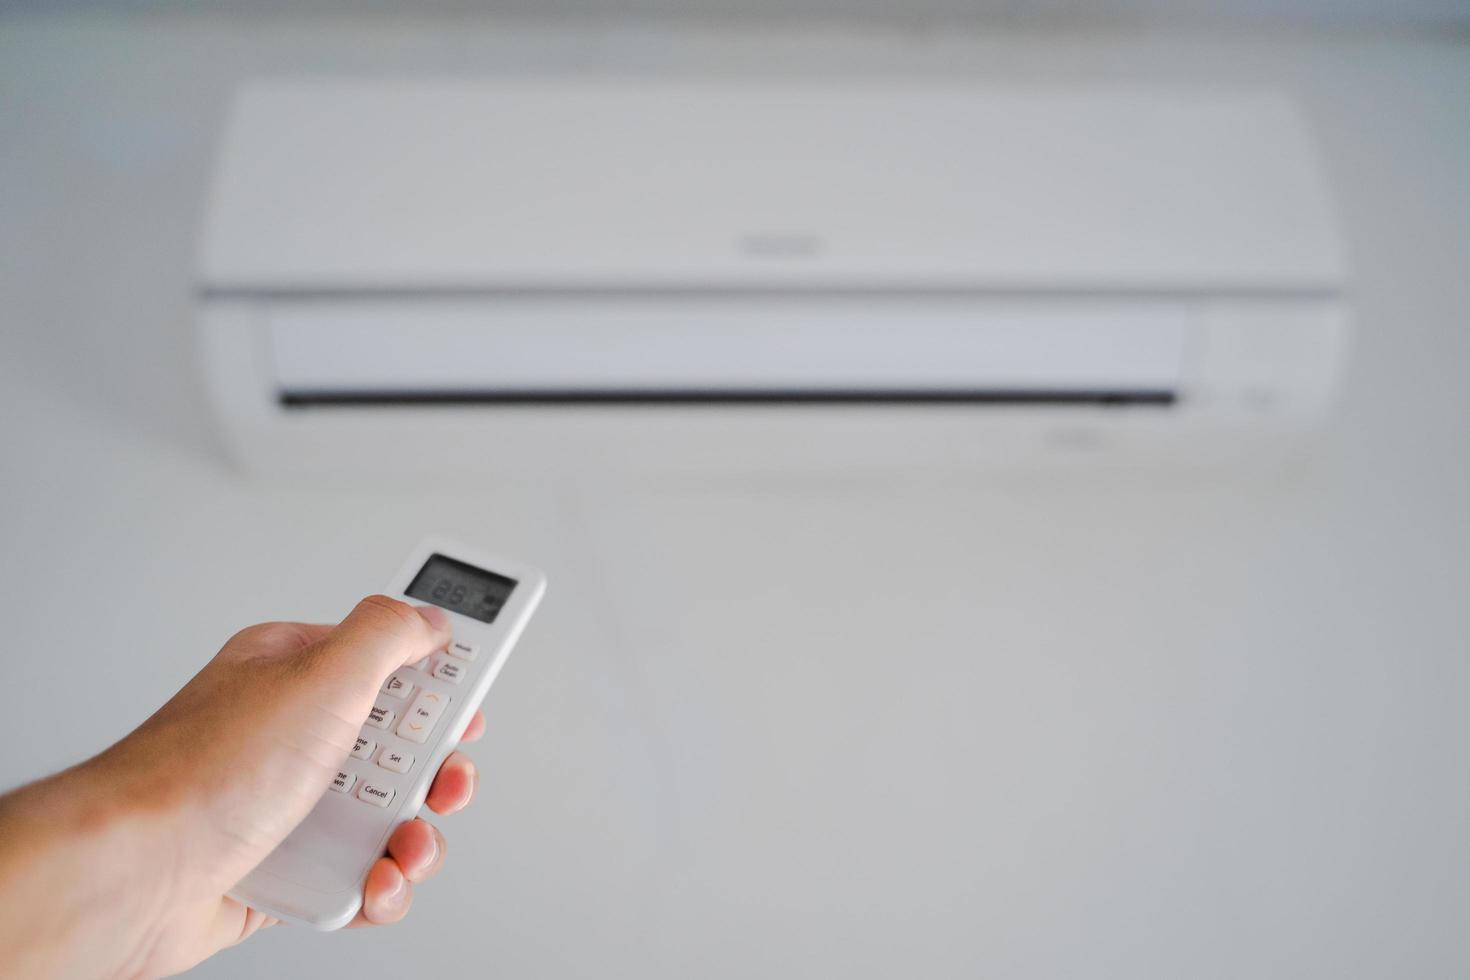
[[461, 588]]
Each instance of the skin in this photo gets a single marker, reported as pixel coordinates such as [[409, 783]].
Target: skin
[[119, 866]]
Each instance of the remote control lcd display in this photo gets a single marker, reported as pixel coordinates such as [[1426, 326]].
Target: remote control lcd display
[[461, 588]]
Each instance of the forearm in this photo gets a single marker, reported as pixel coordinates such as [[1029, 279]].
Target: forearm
[[79, 875]]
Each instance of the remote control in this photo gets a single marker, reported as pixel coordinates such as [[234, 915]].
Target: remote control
[[315, 877]]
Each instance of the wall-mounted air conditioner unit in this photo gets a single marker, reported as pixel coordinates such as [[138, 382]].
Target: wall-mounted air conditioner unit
[[581, 275]]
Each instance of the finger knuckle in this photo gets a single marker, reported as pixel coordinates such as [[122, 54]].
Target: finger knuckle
[[260, 634], [388, 613]]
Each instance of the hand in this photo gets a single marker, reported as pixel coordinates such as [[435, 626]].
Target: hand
[[120, 865]]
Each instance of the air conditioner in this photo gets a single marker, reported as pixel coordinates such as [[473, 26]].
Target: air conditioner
[[597, 274]]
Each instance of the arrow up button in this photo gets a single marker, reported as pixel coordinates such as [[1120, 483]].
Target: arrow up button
[[419, 720]]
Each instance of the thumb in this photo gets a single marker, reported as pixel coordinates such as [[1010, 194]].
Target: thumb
[[382, 634]]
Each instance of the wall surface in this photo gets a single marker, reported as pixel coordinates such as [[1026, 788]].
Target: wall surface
[[1006, 727]]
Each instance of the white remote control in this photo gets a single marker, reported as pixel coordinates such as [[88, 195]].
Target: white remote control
[[315, 877]]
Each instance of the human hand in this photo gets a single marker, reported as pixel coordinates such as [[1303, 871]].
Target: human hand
[[127, 857]]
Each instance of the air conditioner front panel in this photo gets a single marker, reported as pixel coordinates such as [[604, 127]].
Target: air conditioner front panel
[[1246, 377], [877, 348]]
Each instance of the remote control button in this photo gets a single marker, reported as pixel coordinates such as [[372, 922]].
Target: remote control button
[[463, 650], [364, 748], [380, 717], [419, 721], [395, 761], [344, 781], [398, 686], [448, 670], [376, 795]]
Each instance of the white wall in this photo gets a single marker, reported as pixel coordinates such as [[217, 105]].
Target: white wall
[[1408, 16], [1001, 728]]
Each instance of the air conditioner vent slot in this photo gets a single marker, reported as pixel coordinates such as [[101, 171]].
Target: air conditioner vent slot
[[1108, 398]]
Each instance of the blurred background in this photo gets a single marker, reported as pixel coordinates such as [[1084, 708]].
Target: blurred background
[[995, 721]]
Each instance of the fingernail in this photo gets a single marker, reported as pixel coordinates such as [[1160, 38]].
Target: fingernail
[[435, 616], [433, 854], [474, 785], [396, 897]]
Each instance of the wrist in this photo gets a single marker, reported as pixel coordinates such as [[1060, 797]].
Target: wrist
[[75, 873]]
